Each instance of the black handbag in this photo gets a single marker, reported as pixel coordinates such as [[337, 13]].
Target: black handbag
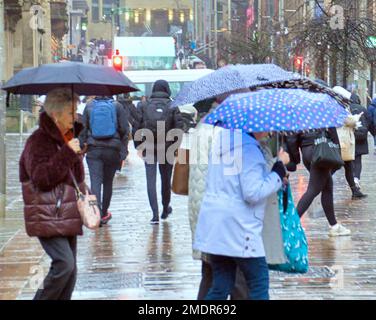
[[326, 154]]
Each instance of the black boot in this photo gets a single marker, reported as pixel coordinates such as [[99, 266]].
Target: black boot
[[357, 194], [166, 212], [155, 219]]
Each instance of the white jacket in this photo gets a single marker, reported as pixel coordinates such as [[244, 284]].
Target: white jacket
[[200, 146]]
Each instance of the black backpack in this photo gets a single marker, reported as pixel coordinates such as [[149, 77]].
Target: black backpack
[[157, 110]]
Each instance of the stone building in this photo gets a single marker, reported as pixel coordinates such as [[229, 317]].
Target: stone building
[[34, 30]]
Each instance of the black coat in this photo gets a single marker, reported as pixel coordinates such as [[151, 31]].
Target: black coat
[[298, 141], [361, 134], [174, 114], [161, 92]]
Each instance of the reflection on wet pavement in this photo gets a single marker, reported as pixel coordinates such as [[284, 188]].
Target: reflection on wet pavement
[[131, 259]]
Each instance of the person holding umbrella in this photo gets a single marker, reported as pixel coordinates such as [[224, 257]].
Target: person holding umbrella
[[232, 213], [230, 222], [50, 155]]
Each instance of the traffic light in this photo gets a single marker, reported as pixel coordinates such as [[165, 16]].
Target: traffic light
[[117, 61], [298, 62], [83, 24]]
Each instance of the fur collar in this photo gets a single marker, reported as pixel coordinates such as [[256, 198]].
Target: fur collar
[[47, 125]]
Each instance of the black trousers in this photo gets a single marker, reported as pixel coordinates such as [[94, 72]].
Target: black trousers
[[103, 163], [349, 173], [61, 279], [357, 165], [320, 180], [165, 171]]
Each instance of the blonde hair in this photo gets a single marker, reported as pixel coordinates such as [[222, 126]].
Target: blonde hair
[[60, 98]]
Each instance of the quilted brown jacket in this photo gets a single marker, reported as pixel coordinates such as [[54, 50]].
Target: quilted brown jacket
[[44, 166]]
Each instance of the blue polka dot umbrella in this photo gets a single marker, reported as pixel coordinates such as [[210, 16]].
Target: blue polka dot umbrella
[[278, 110]]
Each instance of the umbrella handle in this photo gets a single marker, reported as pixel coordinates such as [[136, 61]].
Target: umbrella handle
[[277, 145], [73, 113], [7, 100]]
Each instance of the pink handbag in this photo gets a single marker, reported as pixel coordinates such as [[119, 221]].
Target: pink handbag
[[88, 207]]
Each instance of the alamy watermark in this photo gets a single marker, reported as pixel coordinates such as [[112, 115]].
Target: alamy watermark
[[338, 281], [36, 280], [162, 147]]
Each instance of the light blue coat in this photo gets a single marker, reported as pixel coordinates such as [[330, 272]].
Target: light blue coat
[[238, 184]]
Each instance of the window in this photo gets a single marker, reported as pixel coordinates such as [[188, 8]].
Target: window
[[95, 11], [107, 7]]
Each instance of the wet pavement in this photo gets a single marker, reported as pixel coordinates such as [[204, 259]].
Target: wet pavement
[[131, 259]]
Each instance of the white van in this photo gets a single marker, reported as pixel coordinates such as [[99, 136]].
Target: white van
[[176, 79]]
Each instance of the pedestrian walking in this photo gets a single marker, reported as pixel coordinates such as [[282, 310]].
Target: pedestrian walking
[[199, 158], [348, 142], [231, 217], [155, 114], [361, 136], [181, 58], [50, 155], [320, 179], [200, 148], [105, 137]]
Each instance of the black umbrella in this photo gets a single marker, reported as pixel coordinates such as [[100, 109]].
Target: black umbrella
[[83, 79]]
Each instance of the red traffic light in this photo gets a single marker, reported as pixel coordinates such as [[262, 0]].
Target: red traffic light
[[117, 62]]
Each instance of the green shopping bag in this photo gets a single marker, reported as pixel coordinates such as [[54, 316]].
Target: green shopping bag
[[294, 240]]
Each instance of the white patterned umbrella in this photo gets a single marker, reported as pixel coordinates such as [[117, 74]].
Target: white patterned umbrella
[[231, 78]]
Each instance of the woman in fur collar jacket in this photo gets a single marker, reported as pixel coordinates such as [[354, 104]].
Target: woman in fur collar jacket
[[50, 156]]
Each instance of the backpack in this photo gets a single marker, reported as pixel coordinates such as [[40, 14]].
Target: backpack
[[103, 119], [154, 111]]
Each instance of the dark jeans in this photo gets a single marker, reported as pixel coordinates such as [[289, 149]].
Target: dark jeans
[[61, 279], [239, 292], [320, 180], [102, 163], [357, 165], [255, 271], [165, 171]]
